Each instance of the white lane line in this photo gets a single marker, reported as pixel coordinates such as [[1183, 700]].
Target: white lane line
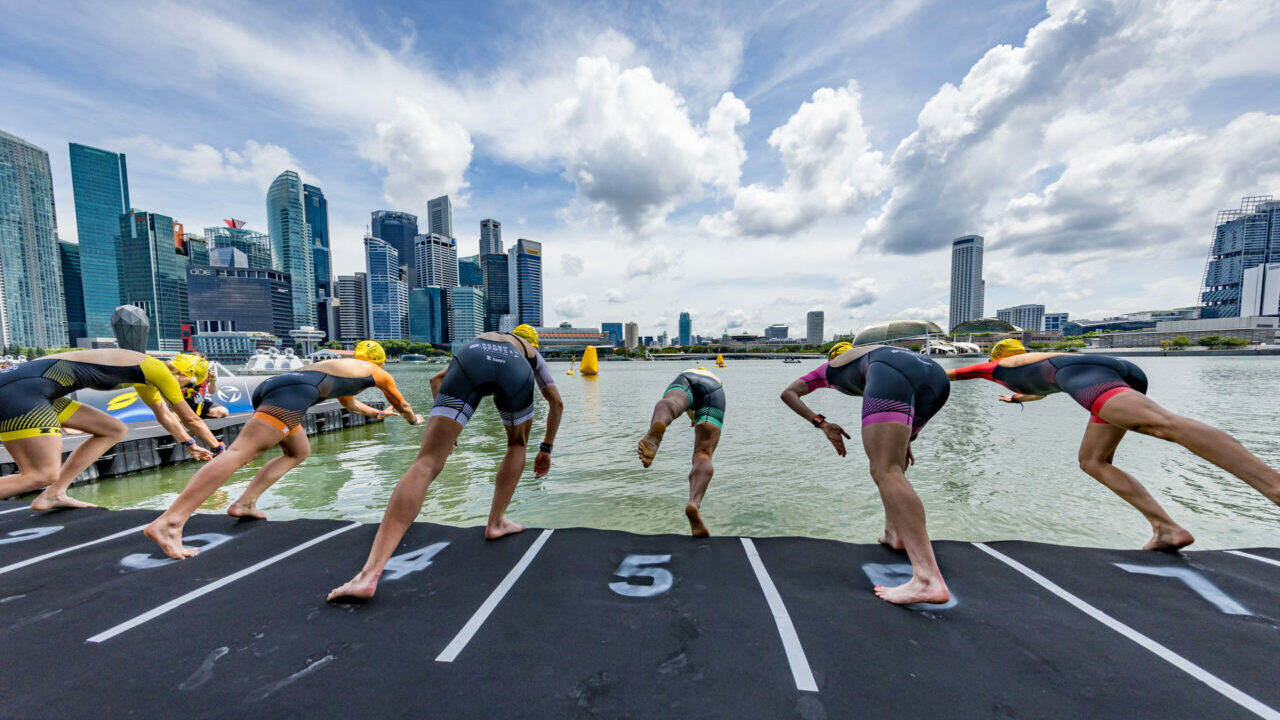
[[455, 646], [64, 551], [205, 590], [1251, 556], [6, 512], [800, 670], [1224, 688]]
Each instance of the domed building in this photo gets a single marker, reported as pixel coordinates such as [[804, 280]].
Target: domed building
[[887, 333], [984, 326]]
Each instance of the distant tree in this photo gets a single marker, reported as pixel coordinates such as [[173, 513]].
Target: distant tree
[[1069, 345], [1181, 342], [1234, 342], [912, 348], [1210, 341]]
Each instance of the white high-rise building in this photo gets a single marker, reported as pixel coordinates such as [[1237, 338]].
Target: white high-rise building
[[1027, 317], [440, 216], [631, 335], [490, 237], [967, 287], [813, 326], [468, 313], [436, 260]]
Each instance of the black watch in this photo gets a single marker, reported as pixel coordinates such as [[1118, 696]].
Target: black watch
[[545, 447], [818, 419]]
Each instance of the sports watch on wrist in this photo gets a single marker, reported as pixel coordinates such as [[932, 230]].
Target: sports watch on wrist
[[545, 447], [818, 419]]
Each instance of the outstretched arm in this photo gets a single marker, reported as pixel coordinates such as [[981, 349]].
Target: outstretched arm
[[791, 398], [971, 372], [173, 425], [1020, 398], [387, 384], [542, 463]]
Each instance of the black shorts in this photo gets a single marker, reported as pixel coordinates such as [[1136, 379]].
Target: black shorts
[[32, 402], [202, 409], [486, 367], [1092, 380], [902, 386], [706, 397], [283, 400]]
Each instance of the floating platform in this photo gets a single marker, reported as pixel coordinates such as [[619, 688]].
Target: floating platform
[[148, 445], [590, 623]]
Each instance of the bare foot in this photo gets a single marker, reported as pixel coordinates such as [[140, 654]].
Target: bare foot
[[891, 540], [169, 538], [241, 509], [648, 446], [915, 590], [696, 527], [504, 527], [360, 587], [1169, 539], [46, 501]]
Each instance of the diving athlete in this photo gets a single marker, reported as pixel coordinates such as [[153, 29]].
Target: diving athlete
[[279, 405], [700, 394], [901, 390], [34, 410], [204, 387], [506, 366], [1114, 391]]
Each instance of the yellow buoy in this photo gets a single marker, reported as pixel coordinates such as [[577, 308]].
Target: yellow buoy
[[590, 365], [719, 360]]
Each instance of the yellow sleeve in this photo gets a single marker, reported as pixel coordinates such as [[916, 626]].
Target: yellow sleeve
[[160, 383]]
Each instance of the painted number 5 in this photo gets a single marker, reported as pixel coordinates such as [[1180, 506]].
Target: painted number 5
[[635, 566]]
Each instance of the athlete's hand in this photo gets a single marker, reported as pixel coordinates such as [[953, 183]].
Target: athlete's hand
[[541, 464], [836, 435], [418, 419], [199, 453], [1007, 398]]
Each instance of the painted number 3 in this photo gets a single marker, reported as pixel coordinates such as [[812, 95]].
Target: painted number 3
[[635, 566]]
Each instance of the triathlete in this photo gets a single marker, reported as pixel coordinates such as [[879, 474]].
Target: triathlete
[[204, 387], [700, 394], [34, 409], [506, 366], [279, 405], [901, 390], [1114, 391]]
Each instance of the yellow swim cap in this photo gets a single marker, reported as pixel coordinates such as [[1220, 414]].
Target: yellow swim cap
[[1006, 348], [191, 365], [837, 349], [372, 351], [527, 333]]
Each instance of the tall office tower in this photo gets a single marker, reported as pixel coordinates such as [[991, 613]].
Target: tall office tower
[[197, 250], [1028, 317], [32, 313], [613, 331], [440, 216], [436, 260], [317, 215], [1242, 239], [72, 290], [427, 320], [497, 289], [967, 286], [388, 294], [291, 242], [470, 271], [526, 281], [256, 246], [353, 307], [631, 335], [100, 185], [490, 237], [777, 331], [398, 229], [238, 299], [154, 277], [813, 326], [1055, 321], [686, 329], [468, 313]]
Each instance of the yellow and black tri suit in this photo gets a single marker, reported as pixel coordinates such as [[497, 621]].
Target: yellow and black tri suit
[[32, 394]]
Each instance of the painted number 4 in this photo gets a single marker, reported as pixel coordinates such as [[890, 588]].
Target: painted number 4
[[411, 562], [635, 566]]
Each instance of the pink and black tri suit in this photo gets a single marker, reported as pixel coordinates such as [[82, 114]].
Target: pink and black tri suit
[[1090, 380], [896, 386]]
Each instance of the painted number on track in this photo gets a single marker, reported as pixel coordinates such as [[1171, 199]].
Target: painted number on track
[[412, 561], [891, 574], [640, 566], [146, 561], [18, 536], [1194, 580]]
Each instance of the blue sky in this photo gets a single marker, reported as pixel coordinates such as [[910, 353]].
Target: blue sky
[[743, 161]]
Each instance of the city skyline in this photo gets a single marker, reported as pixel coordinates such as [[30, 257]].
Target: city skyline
[[1095, 183]]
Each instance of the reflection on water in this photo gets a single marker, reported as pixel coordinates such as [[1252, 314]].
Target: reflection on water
[[985, 470]]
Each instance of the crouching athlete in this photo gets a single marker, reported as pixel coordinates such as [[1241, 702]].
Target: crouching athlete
[[1114, 391], [700, 394], [279, 405], [506, 366], [34, 409], [900, 391]]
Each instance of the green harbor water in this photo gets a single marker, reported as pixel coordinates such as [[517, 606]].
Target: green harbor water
[[985, 470]]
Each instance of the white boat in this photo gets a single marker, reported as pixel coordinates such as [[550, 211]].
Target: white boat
[[271, 361]]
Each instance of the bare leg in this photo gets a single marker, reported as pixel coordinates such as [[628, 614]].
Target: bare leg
[[106, 432], [37, 459], [886, 447], [1135, 411], [706, 436], [1097, 453], [504, 485], [666, 410], [296, 448], [166, 530], [438, 441]]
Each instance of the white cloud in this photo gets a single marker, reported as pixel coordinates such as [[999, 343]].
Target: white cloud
[[655, 261], [571, 306], [859, 293], [615, 296], [423, 154], [570, 265], [257, 164]]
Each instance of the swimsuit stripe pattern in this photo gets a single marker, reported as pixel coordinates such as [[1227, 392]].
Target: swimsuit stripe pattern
[[61, 372], [876, 410], [448, 406]]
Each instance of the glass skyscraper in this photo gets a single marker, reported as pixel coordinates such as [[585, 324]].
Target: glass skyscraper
[[31, 309], [490, 237], [72, 290], [291, 243], [427, 320], [497, 289], [398, 229], [813, 327], [613, 331], [440, 216], [155, 276], [967, 286], [353, 307], [256, 246], [468, 313], [526, 281], [100, 184], [470, 271], [231, 299], [318, 221], [686, 329], [388, 294], [1242, 240]]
